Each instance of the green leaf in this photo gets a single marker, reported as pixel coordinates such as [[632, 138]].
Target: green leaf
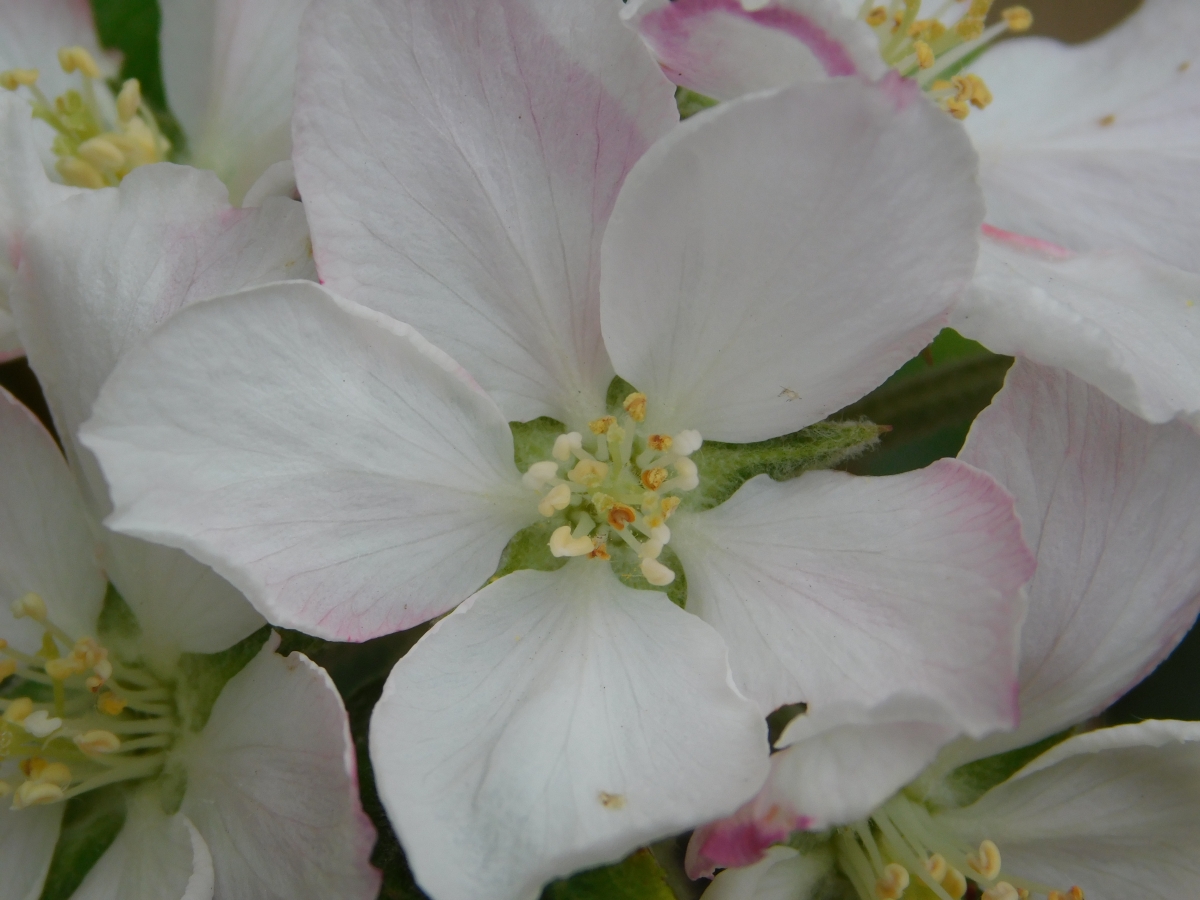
[[726, 467], [969, 782], [202, 677], [90, 824], [639, 877], [690, 102]]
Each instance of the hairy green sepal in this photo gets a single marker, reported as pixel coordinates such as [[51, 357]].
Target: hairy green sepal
[[638, 877], [969, 782], [91, 822], [202, 677]]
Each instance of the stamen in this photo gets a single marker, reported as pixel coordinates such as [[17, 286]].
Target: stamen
[[656, 573], [563, 544], [98, 741], [620, 515], [635, 405], [536, 477], [78, 59], [936, 867], [659, 442], [1018, 18], [653, 479], [110, 704], [36, 793], [1001, 891], [987, 861], [16, 78], [30, 605], [589, 472], [955, 884], [893, 883], [18, 710], [601, 425], [40, 724], [558, 499], [129, 100]]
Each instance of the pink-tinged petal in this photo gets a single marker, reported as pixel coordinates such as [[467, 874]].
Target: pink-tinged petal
[[552, 723], [342, 472], [47, 545], [724, 50], [782, 874], [778, 257], [229, 68], [155, 857], [272, 786], [1094, 146], [458, 162], [32, 31], [1118, 319], [834, 588], [1114, 811], [27, 840], [1108, 502]]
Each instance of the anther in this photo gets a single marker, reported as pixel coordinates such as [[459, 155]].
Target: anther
[[558, 498], [110, 704], [621, 515], [539, 473], [18, 710], [892, 884], [589, 472], [955, 883], [936, 867], [651, 549], [56, 774], [660, 442], [101, 153], [78, 173], [563, 544], [129, 100], [925, 57], [600, 549], [656, 573], [77, 58], [602, 424], [64, 668], [30, 605], [635, 405], [36, 793], [98, 742], [566, 444], [15, 78], [987, 861], [687, 442], [669, 505], [40, 724], [689, 475], [1001, 891], [602, 502], [652, 479], [1018, 18], [1076, 893]]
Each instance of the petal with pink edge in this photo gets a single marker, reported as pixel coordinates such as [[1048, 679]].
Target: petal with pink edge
[[552, 723], [1109, 503], [361, 484], [458, 162], [1094, 146], [835, 588], [779, 256], [723, 50], [273, 787], [1115, 811], [1123, 322]]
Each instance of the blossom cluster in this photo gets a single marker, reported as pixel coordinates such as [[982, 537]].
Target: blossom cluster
[[435, 315]]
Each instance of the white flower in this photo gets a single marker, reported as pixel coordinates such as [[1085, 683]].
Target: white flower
[[256, 800], [1088, 155], [1109, 502]]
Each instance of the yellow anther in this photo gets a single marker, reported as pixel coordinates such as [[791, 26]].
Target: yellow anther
[[600, 550], [940, 85], [652, 479], [979, 8], [18, 710], [62, 669], [98, 742], [558, 498], [8, 667], [129, 100], [54, 773], [656, 573], [15, 78], [1023, 893], [102, 153], [954, 884], [621, 515], [110, 704], [669, 504], [565, 444], [537, 475], [987, 861], [877, 16], [563, 544], [103, 668], [925, 57], [635, 405], [589, 472], [960, 109], [73, 58], [602, 502], [660, 442], [1001, 891], [689, 475], [78, 173], [892, 884], [36, 793], [1018, 18], [936, 867], [30, 605], [602, 424], [969, 28]]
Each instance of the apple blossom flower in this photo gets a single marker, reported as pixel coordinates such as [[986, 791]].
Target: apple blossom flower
[[251, 793], [1108, 500]]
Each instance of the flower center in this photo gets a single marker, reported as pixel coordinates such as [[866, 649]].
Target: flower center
[[100, 138], [620, 482], [88, 720], [933, 50], [902, 843]]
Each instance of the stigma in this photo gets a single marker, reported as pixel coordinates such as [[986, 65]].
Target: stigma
[[80, 719], [932, 50], [99, 138], [902, 845], [617, 483]]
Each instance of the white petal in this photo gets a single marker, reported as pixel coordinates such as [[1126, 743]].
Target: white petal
[[47, 545], [273, 787], [154, 857], [458, 162], [1115, 811], [1119, 320], [805, 242], [32, 31], [1109, 502], [27, 839], [554, 722], [1055, 166], [832, 587], [783, 874], [362, 486], [724, 50], [229, 69]]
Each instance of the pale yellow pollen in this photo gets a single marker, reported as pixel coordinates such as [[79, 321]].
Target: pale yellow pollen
[[660, 442], [652, 479], [656, 573], [102, 153], [30, 605], [18, 710], [558, 498], [110, 704], [602, 424], [987, 861], [565, 444], [15, 78], [669, 504], [98, 741], [600, 550], [36, 793], [925, 57], [62, 669], [1018, 18], [893, 883], [689, 475], [55, 773], [602, 502], [589, 472], [955, 883], [1001, 891], [7, 667], [563, 544], [77, 58], [621, 515], [78, 173], [979, 8], [877, 16], [957, 108], [635, 405], [969, 28], [129, 100], [936, 867]]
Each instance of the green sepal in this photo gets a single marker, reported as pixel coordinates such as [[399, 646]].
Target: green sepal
[[172, 785], [533, 440], [690, 102], [726, 467], [626, 565], [91, 822], [529, 548], [202, 677], [638, 877], [118, 628], [969, 782]]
